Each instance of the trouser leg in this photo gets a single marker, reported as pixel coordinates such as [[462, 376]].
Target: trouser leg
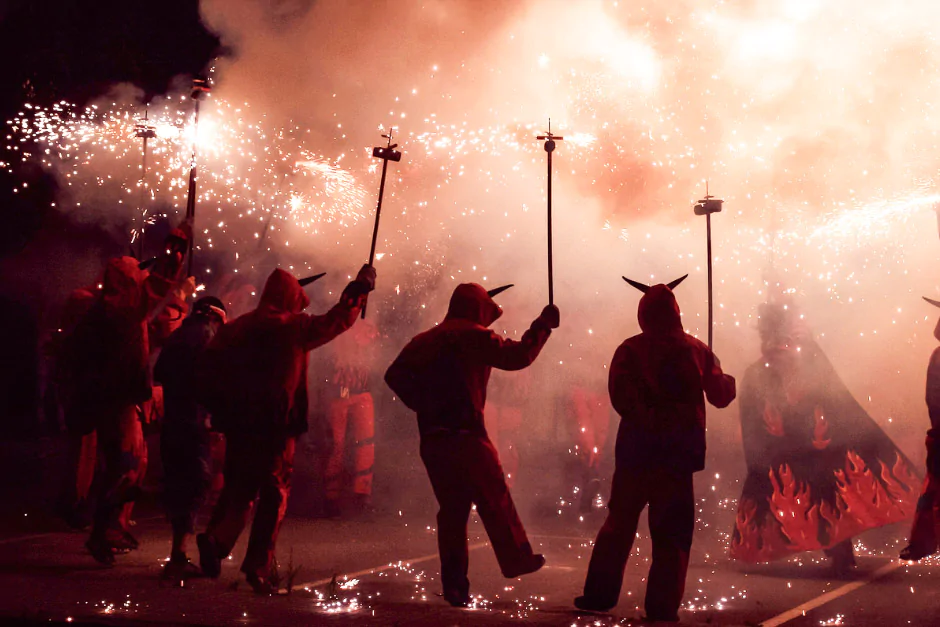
[[272, 505], [496, 508], [337, 414], [454, 500], [362, 431], [121, 468], [672, 523], [615, 540], [241, 485]]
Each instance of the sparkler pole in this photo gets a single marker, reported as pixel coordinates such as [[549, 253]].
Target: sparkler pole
[[549, 148], [145, 131], [706, 207], [200, 86], [385, 153]]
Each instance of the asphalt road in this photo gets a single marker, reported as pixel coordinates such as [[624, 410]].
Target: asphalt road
[[388, 575]]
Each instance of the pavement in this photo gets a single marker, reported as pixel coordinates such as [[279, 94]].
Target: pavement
[[383, 570]]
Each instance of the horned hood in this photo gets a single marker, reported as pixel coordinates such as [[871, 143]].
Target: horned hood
[[282, 293], [658, 311], [471, 302]]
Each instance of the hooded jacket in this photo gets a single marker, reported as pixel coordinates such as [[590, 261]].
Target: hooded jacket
[[253, 375], [658, 383], [442, 373], [175, 369], [106, 355]]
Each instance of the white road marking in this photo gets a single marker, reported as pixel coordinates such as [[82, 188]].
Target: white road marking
[[376, 569], [800, 610]]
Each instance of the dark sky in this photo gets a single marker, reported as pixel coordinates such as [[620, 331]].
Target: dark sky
[[75, 50]]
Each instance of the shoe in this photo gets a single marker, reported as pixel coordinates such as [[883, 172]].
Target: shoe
[[534, 563], [592, 605], [261, 586], [180, 569], [120, 542], [209, 560], [457, 600], [912, 552], [101, 551]]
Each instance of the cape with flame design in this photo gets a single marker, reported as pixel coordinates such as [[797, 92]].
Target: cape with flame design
[[820, 470]]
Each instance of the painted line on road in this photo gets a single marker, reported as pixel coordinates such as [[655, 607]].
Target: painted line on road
[[377, 569], [800, 610]]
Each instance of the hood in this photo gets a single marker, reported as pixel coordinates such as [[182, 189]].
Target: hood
[[936, 331], [120, 287], [282, 293], [471, 302], [658, 311]]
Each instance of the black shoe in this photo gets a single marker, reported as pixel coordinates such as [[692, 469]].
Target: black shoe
[[592, 605], [101, 551], [180, 569], [913, 552], [457, 599], [261, 586], [534, 563], [209, 560]]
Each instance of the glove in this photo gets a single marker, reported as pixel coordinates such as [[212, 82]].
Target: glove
[[188, 287], [366, 276], [364, 283], [550, 317]]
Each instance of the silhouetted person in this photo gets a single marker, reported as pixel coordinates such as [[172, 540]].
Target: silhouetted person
[[442, 375], [253, 381], [658, 383], [184, 437], [924, 532]]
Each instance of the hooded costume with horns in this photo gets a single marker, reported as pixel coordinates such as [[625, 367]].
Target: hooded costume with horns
[[658, 383], [253, 380], [820, 470], [442, 375], [926, 528]]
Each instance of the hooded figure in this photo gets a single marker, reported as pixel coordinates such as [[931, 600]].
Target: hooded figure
[[184, 438], [253, 380], [442, 375], [926, 528], [108, 354], [350, 416], [820, 470], [658, 383]]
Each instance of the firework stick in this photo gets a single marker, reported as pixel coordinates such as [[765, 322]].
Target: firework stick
[[200, 86], [706, 207], [385, 153], [549, 148]]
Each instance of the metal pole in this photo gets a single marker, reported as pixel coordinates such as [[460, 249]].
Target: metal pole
[[191, 200], [551, 282], [375, 229], [143, 203], [708, 236]]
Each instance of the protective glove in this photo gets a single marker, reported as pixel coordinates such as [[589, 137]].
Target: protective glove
[[364, 283], [550, 317]]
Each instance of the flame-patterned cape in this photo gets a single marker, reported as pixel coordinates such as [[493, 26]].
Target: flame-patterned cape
[[820, 470]]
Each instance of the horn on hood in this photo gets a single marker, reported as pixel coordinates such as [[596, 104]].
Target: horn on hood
[[310, 279], [146, 264], [935, 303], [498, 290], [673, 284], [640, 286]]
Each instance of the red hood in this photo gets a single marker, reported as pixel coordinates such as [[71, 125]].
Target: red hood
[[121, 283], [471, 302], [658, 311], [282, 293]]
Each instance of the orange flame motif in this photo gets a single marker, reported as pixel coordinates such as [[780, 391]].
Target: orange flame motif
[[820, 430], [862, 501], [773, 421]]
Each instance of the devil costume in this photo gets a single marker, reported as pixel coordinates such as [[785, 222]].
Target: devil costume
[[253, 380], [820, 471], [658, 383], [924, 532], [442, 375]]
